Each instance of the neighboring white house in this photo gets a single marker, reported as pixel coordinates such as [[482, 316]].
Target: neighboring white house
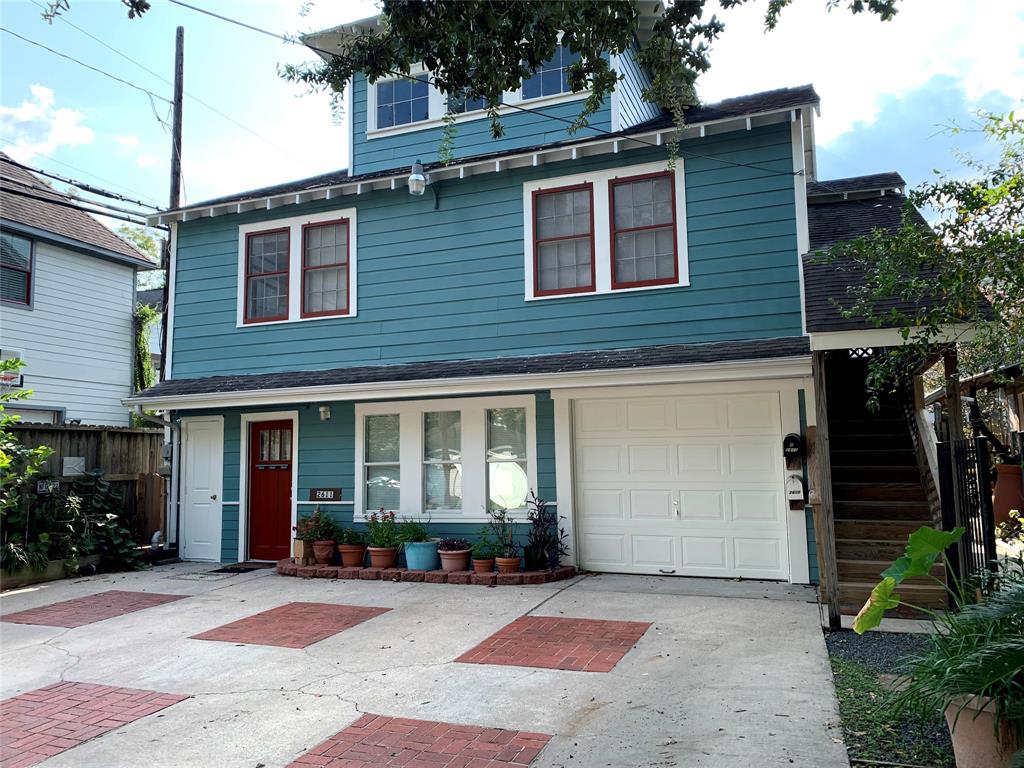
[[67, 297]]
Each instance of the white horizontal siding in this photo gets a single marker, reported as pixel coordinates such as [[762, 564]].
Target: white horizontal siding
[[76, 338]]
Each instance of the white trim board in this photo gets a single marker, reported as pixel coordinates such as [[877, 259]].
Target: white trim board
[[719, 371], [243, 471], [474, 449], [295, 225], [172, 268], [879, 337]]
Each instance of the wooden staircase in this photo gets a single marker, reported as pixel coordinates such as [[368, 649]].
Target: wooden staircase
[[877, 491]]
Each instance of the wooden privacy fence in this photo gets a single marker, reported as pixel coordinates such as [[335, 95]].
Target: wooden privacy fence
[[130, 460]]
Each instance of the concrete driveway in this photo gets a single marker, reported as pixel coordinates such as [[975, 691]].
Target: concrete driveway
[[737, 680]]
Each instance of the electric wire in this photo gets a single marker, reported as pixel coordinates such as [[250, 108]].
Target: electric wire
[[82, 185], [139, 219], [62, 196]]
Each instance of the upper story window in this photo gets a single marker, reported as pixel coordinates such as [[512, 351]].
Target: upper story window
[[564, 240], [296, 269], [325, 269], [460, 104], [15, 269], [552, 77], [643, 236], [605, 231], [266, 276], [403, 101]]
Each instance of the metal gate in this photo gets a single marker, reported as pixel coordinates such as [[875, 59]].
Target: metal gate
[[965, 483]]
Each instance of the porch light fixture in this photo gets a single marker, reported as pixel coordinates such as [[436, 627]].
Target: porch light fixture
[[417, 181], [325, 413]]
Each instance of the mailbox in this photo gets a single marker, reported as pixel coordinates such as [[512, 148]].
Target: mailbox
[[792, 447]]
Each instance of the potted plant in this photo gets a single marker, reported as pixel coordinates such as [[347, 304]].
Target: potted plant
[[454, 554], [382, 539], [352, 547], [545, 540], [420, 549], [322, 531], [503, 530], [484, 550], [302, 548], [973, 666]]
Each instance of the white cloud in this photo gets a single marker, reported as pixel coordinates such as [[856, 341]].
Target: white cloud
[[37, 126], [855, 60], [128, 143]]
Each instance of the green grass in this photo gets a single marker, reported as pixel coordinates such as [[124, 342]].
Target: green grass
[[872, 733]]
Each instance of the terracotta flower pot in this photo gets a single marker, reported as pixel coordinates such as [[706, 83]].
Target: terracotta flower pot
[[352, 555], [1008, 493], [383, 557], [323, 552], [457, 560], [507, 564], [483, 566], [303, 551], [976, 742]]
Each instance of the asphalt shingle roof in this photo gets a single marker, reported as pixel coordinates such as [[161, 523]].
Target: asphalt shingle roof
[[570, 362], [873, 182], [153, 297], [58, 219]]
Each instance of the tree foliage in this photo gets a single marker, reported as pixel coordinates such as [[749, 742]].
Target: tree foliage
[[961, 281]]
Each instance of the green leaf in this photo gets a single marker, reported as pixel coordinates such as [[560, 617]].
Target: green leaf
[[924, 547], [883, 597]]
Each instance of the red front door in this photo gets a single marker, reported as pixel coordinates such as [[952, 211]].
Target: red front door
[[270, 490]]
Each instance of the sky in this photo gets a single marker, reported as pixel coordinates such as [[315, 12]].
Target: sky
[[889, 90]]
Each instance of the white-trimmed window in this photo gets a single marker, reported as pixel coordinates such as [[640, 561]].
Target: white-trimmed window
[[552, 77], [403, 100], [637, 235], [446, 459], [15, 269], [297, 269]]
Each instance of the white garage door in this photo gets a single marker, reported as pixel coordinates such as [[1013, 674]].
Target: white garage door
[[688, 485]]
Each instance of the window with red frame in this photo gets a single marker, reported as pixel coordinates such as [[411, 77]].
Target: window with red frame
[[643, 231], [266, 276], [325, 269], [563, 235], [15, 269]]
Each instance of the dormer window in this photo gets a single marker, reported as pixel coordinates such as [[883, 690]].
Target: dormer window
[[403, 101], [552, 77]]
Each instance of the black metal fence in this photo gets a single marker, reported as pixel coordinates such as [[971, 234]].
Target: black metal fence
[[965, 484]]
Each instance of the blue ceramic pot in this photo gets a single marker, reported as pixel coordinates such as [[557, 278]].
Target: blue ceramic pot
[[421, 555]]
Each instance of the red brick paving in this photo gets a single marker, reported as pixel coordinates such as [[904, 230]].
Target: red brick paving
[[294, 625], [47, 721], [581, 645], [376, 741], [88, 610]]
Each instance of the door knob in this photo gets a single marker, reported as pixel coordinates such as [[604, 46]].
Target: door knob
[[213, 496]]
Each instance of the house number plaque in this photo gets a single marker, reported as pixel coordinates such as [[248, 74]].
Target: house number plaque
[[325, 494]]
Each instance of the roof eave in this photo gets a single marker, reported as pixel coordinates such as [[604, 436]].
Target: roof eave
[[78, 245]]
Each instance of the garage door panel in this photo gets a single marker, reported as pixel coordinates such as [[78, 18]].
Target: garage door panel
[[753, 413], [700, 461], [756, 506], [705, 552], [606, 549], [648, 415], [600, 461], [760, 555], [603, 504], [650, 459], [651, 504], [752, 461], [654, 552], [700, 414], [600, 416], [701, 505]]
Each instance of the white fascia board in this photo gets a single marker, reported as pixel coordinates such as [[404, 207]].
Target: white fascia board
[[603, 145], [669, 374], [880, 337]]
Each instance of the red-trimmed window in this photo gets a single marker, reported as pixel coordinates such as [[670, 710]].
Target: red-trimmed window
[[325, 269], [643, 231], [15, 269], [563, 240], [266, 276]]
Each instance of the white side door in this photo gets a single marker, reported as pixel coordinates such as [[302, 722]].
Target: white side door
[[202, 483]]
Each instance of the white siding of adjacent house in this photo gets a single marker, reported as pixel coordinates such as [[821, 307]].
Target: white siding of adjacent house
[[76, 339]]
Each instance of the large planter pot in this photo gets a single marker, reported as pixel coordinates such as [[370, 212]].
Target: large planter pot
[[1008, 493], [383, 557], [456, 560], [352, 555], [507, 564], [976, 742], [54, 570], [323, 552], [535, 559], [303, 551], [421, 555], [485, 565]]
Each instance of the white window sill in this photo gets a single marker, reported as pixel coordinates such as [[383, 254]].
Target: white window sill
[[609, 292], [465, 117], [258, 324]]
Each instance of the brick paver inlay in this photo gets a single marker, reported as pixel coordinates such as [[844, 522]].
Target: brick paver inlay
[[90, 609], [376, 741], [294, 625], [581, 645], [47, 721]]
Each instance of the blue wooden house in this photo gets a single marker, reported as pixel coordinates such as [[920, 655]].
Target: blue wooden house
[[574, 315]]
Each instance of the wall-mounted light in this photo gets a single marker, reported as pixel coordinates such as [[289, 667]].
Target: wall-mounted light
[[325, 413], [417, 181]]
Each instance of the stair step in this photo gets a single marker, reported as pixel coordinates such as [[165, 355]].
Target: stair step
[[853, 595], [875, 473], [869, 550], [883, 510], [871, 571], [858, 457], [875, 491], [869, 442], [885, 531]]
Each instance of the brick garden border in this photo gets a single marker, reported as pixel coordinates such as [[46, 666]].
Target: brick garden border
[[287, 567]]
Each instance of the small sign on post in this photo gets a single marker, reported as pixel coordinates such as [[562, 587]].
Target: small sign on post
[[44, 487], [325, 494]]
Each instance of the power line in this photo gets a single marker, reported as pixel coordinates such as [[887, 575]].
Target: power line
[[533, 111], [66, 204], [195, 98], [82, 185], [87, 66], [62, 196]]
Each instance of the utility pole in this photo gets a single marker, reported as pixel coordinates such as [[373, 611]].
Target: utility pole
[[175, 196]]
